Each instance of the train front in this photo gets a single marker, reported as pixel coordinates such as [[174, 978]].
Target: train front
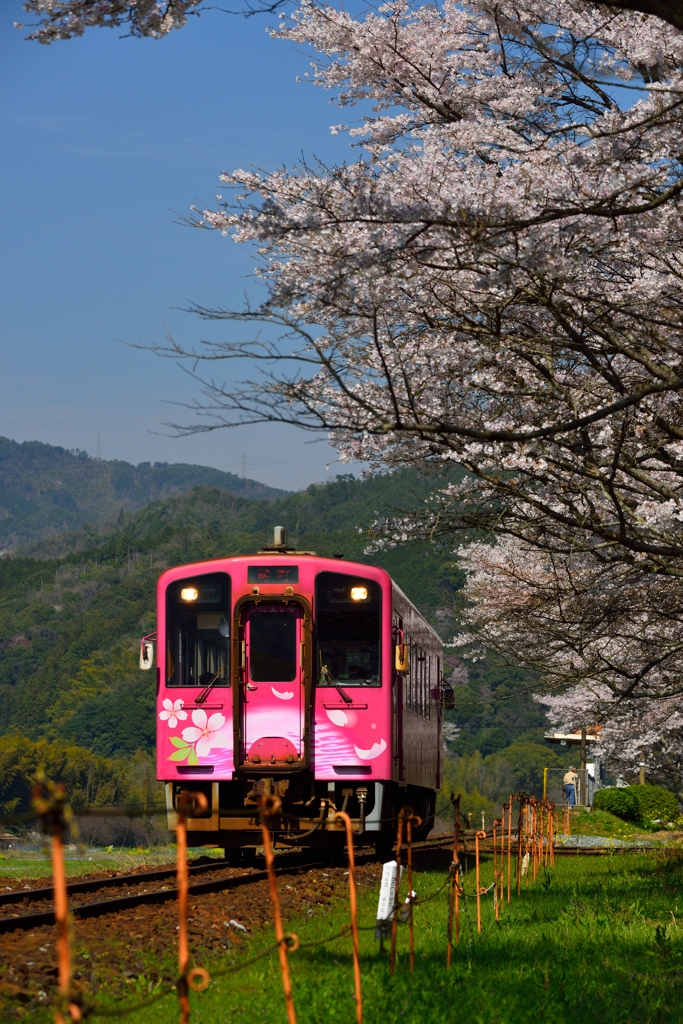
[[274, 676]]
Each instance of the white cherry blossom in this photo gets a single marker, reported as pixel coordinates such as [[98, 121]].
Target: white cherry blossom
[[206, 733], [172, 712]]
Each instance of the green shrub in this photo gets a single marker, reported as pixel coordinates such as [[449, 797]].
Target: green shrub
[[655, 804], [618, 801]]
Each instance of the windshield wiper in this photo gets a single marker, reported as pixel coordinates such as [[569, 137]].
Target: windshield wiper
[[326, 677], [201, 697]]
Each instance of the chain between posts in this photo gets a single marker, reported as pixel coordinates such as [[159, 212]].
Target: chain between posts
[[536, 829]]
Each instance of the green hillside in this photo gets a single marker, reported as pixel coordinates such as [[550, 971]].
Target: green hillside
[[72, 612], [69, 625], [45, 490]]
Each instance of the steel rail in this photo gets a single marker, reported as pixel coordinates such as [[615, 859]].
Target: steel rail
[[114, 881], [95, 884], [118, 903]]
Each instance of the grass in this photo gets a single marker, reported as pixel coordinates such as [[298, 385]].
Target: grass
[[27, 864], [602, 823], [594, 939]]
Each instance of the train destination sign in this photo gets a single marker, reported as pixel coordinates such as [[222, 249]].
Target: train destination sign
[[273, 574]]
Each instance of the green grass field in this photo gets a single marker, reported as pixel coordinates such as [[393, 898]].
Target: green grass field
[[595, 939], [29, 864]]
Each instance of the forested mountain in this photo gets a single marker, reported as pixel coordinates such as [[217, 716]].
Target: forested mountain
[[45, 490], [72, 612], [73, 608]]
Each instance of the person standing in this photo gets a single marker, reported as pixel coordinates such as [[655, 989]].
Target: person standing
[[569, 785]]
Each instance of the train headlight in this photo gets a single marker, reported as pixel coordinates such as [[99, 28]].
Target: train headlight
[[189, 594], [359, 593]]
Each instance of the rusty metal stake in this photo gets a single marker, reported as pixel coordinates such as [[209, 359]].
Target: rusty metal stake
[[183, 942], [477, 836], [495, 865], [270, 805], [49, 800], [187, 805], [62, 921], [454, 902], [345, 819], [519, 847], [510, 841], [394, 919], [412, 817], [553, 826]]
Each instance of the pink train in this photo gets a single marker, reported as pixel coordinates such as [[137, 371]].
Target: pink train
[[312, 678]]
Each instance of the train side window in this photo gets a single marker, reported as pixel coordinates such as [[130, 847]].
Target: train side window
[[198, 631], [418, 696], [348, 628]]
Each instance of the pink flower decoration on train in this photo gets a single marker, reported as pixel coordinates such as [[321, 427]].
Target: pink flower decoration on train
[[205, 734], [172, 712]]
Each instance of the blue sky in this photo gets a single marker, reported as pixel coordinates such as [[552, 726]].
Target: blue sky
[[103, 139]]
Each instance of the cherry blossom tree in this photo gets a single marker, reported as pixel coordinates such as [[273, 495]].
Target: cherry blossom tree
[[577, 620], [62, 19], [648, 733], [605, 641], [495, 282]]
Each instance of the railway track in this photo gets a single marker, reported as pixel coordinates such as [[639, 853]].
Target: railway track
[[288, 864], [143, 896]]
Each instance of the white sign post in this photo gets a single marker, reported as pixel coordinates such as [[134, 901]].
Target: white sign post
[[391, 880]]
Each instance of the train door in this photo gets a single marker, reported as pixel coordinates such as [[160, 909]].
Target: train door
[[271, 692]]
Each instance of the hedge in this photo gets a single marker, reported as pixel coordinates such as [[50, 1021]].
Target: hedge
[[638, 803], [655, 803], [618, 801]]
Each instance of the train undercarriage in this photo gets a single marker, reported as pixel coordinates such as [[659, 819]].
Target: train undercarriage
[[307, 818]]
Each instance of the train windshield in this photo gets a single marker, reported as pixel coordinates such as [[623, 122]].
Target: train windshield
[[198, 631], [348, 623]]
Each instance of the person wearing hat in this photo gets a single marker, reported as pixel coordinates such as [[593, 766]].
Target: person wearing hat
[[569, 785]]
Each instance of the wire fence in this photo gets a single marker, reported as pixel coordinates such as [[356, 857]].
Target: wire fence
[[522, 842]]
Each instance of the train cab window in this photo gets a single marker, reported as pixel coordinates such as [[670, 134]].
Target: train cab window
[[272, 644], [348, 624], [198, 631]]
